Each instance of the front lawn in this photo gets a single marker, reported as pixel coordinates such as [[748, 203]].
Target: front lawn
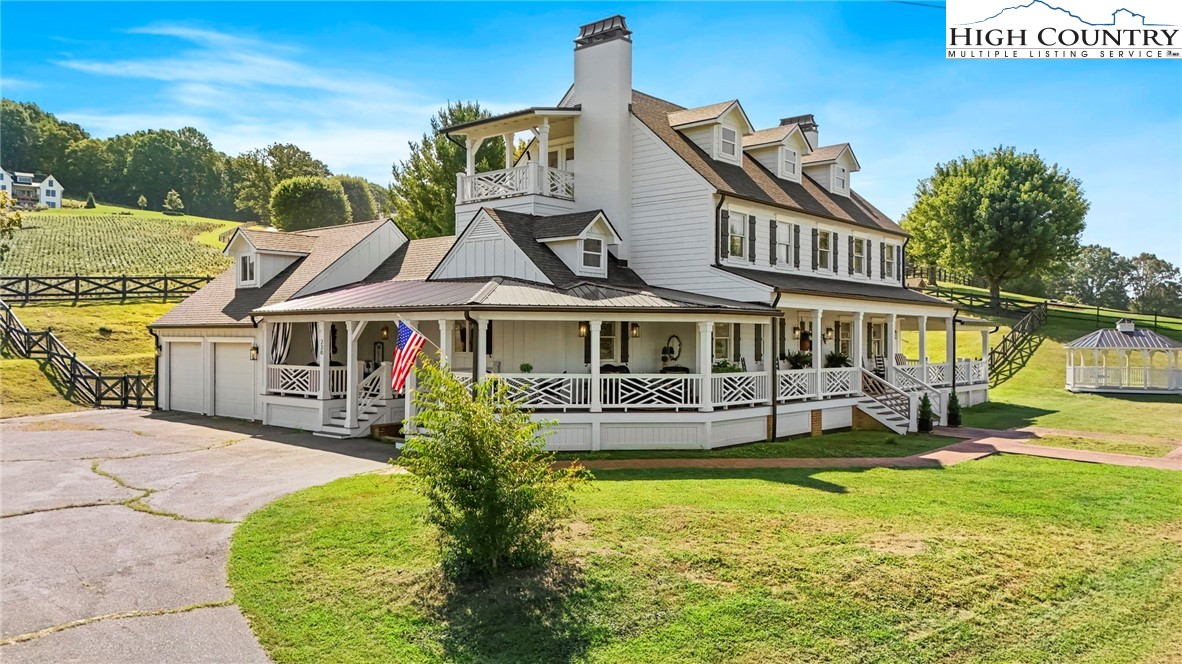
[[829, 446], [1004, 559], [1147, 448]]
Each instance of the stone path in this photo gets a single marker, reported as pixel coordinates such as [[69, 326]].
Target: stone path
[[116, 528]]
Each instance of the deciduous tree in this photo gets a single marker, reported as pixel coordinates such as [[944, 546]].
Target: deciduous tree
[[308, 202], [10, 221], [173, 202], [1097, 276], [999, 215], [361, 203], [1155, 286]]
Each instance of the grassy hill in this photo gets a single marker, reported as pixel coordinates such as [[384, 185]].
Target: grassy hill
[[110, 240]]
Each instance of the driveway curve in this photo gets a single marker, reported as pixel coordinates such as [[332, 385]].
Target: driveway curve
[[115, 529]]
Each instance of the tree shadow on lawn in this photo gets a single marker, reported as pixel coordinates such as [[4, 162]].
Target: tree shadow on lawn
[[1001, 415], [801, 477], [539, 615]]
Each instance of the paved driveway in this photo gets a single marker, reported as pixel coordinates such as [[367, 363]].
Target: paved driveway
[[116, 527]]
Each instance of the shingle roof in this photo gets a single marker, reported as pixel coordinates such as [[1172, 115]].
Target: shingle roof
[[416, 259], [565, 225], [1133, 340], [754, 182], [683, 116], [825, 153], [770, 136], [276, 241], [808, 284], [219, 303]]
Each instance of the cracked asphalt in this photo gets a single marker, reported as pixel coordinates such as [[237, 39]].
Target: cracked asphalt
[[115, 530]]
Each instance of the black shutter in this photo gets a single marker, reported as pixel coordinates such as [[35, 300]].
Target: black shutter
[[796, 245], [724, 240], [866, 257], [899, 262], [625, 336], [751, 238], [882, 249], [772, 235], [833, 244], [488, 339], [850, 257], [783, 339], [815, 235], [736, 340], [587, 345], [758, 342]]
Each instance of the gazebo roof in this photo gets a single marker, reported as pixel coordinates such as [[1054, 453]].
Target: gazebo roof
[[1125, 337]]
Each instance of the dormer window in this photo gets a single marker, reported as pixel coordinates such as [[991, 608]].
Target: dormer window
[[593, 254], [791, 163], [841, 178], [246, 276], [729, 143]]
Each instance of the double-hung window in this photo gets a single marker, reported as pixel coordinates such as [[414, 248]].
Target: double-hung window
[[593, 253], [608, 342], [824, 252], [859, 256], [737, 235], [790, 162], [841, 178], [888, 263], [784, 244], [722, 341], [729, 142], [246, 269], [844, 337]]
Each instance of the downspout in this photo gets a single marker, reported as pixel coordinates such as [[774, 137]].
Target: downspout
[[955, 313], [156, 370], [903, 262], [773, 362], [718, 231]]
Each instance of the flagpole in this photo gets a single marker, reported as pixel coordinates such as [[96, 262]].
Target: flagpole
[[414, 329]]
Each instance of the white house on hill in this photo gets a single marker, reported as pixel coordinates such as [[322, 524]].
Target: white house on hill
[[648, 275], [31, 189]]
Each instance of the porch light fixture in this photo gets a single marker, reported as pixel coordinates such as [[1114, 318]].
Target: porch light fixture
[[254, 352], [795, 332], [584, 329], [385, 332], [828, 334], [634, 329]]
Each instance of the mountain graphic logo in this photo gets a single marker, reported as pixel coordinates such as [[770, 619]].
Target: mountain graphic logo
[[1035, 3]]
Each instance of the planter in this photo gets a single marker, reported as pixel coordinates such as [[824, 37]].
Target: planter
[[953, 419], [924, 424]]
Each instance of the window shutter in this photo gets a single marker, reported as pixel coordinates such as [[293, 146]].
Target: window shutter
[[724, 240], [587, 345], [488, 339], [751, 238], [882, 249], [899, 261], [796, 245], [758, 342], [815, 234], [866, 254], [736, 341], [625, 336], [850, 256], [833, 244], [772, 243]]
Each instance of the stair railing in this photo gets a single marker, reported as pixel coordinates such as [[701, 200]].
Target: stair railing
[[888, 395], [1015, 346], [369, 390], [910, 384]]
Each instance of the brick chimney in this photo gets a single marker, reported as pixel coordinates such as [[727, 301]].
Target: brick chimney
[[808, 125]]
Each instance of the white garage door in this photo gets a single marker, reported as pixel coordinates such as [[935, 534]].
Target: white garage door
[[233, 381], [186, 377]]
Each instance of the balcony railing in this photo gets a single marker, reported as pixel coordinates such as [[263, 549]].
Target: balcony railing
[[968, 372], [529, 178], [1133, 378]]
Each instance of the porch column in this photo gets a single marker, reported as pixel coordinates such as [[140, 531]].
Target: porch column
[[265, 355], [445, 342], [481, 359], [985, 347], [818, 348], [1145, 367], [352, 400], [471, 145], [857, 342], [890, 346], [596, 383], [322, 328], [923, 347], [706, 365], [769, 359], [544, 143], [950, 348], [508, 138]]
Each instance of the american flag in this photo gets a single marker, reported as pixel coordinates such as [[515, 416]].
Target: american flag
[[410, 342]]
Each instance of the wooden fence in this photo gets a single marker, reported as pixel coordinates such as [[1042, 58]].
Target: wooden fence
[[65, 289], [936, 274], [81, 384]]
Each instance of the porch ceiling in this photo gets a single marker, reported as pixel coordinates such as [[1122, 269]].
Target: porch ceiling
[[561, 123]]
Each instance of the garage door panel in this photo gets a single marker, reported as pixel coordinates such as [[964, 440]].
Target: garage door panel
[[233, 381], [186, 377]]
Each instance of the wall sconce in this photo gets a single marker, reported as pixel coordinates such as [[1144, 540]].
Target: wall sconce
[[584, 329], [795, 332], [828, 334], [634, 329], [254, 352], [385, 332]]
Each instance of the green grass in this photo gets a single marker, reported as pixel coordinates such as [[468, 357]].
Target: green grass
[[828, 446], [101, 242], [1086, 315], [1147, 448], [25, 390], [1007, 559]]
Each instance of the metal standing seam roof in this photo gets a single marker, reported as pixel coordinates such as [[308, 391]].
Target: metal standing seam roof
[[808, 284], [1116, 340]]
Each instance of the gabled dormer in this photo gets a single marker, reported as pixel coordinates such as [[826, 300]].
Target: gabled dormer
[[580, 240], [831, 166], [260, 255], [779, 149], [718, 129]]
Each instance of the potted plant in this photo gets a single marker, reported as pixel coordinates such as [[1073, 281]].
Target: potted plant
[[526, 367], [925, 415], [799, 360], [836, 359], [723, 366], [953, 410]]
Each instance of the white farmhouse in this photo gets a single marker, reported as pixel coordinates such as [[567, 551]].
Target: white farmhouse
[[649, 275], [31, 189]]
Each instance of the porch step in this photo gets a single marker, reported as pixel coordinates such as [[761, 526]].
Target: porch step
[[883, 415]]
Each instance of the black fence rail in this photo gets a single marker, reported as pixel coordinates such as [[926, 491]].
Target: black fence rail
[[933, 275], [975, 301], [1017, 346], [81, 384], [73, 289]]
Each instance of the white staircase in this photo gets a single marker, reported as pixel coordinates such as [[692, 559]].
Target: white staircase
[[375, 405], [887, 404]]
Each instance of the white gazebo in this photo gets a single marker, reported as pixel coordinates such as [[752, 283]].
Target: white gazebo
[[1149, 375]]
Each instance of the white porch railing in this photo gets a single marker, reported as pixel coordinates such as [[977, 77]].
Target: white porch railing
[[650, 390], [550, 390], [739, 389], [372, 387], [1133, 378], [304, 381], [795, 384], [937, 374], [529, 178], [971, 372], [839, 381]]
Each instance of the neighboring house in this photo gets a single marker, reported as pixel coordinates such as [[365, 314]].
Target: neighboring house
[[30, 190], [659, 268]]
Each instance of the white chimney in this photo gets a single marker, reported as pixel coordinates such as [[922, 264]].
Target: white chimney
[[603, 130]]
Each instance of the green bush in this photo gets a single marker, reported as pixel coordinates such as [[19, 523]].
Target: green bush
[[798, 360], [173, 203], [925, 408], [309, 202], [837, 359], [90, 201], [361, 204], [953, 404], [725, 366], [480, 460]]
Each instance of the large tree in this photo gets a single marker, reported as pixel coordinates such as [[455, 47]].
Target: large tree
[[1097, 276], [424, 187], [258, 172], [34, 140], [1000, 215], [361, 202], [308, 202], [1155, 285]]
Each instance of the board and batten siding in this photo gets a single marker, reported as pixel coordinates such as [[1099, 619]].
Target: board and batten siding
[[358, 262], [483, 250]]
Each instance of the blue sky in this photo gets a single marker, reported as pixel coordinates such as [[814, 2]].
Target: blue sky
[[354, 82]]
